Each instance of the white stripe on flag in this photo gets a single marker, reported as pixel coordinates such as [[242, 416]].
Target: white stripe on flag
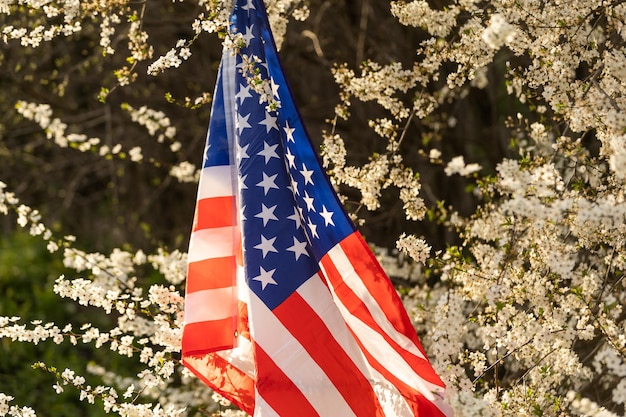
[[391, 400], [316, 294], [354, 282], [302, 370], [388, 357], [373, 341], [215, 181], [211, 243], [208, 305]]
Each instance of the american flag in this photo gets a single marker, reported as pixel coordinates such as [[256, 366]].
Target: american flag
[[287, 312]]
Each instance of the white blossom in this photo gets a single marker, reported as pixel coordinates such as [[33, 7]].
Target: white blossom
[[457, 166], [416, 248], [499, 32]]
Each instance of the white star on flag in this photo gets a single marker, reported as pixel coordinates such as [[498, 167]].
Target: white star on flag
[[309, 201], [290, 158], [242, 123], [242, 151], [298, 248], [248, 35], [328, 216], [268, 152], [296, 218], [268, 182], [243, 93], [289, 131], [265, 277], [242, 182], [267, 214], [312, 228], [307, 174], [269, 122], [275, 88], [249, 6], [266, 246]]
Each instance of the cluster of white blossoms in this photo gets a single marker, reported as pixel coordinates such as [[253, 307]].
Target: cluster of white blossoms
[[532, 299], [418, 13], [35, 36], [382, 172], [377, 83], [214, 17], [457, 166], [155, 122], [499, 32], [13, 410], [149, 323], [172, 59], [416, 248]]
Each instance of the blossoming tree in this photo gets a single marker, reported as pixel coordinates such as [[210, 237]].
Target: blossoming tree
[[492, 135]]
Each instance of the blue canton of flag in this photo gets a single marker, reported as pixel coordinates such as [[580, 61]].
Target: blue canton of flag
[[292, 216]]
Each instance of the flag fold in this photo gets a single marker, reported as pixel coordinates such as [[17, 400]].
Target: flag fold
[[287, 312]]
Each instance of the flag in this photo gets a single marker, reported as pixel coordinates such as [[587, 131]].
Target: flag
[[287, 311]]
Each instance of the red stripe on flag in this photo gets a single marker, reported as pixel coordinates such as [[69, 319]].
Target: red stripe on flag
[[358, 308], [225, 378], [208, 336], [382, 290], [378, 285], [214, 212], [278, 390], [211, 273], [420, 405], [314, 336]]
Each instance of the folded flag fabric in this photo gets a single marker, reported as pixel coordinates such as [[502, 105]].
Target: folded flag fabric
[[287, 312]]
